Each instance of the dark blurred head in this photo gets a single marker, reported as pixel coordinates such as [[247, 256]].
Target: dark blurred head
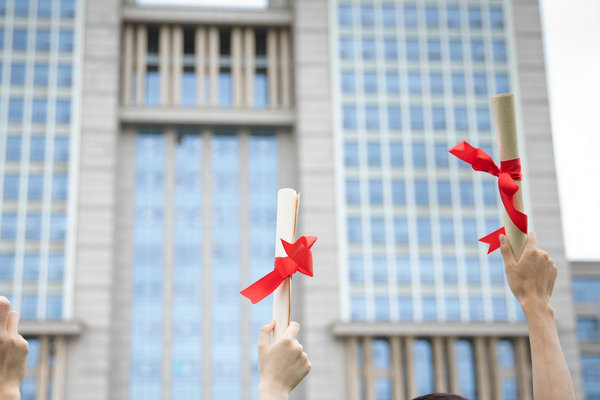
[[440, 396]]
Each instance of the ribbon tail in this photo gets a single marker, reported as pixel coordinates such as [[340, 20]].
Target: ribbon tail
[[493, 239], [517, 217], [263, 287]]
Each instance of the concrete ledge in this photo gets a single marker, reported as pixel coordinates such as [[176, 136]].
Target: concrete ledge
[[138, 115], [343, 329], [51, 328], [205, 15]]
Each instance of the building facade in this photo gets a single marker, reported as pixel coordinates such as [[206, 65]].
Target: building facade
[[142, 149]]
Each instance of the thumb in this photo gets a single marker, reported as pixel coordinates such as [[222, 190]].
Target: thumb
[[507, 251]]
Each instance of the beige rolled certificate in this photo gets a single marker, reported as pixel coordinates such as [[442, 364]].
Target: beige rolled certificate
[[505, 124], [287, 215]]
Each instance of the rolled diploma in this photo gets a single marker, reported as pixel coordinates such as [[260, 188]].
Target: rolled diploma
[[287, 214], [505, 124]]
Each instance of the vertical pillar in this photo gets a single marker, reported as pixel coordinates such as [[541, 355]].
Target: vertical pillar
[[285, 62], [481, 368], [398, 391], [411, 384], [352, 369], [128, 38], [523, 368], [272, 77], [58, 372], [249, 46], [452, 376], [236, 66], [439, 368], [200, 65], [494, 369], [368, 369], [177, 69], [213, 64], [140, 62], [164, 40], [44, 369]]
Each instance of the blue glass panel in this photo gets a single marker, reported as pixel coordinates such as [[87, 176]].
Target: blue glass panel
[[403, 271], [352, 191], [350, 154], [483, 118], [453, 17], [29, 306], [423, 366], [400, 230], [58, 226], [446, 230], [431, 16], [56, 267], [368, 49], [588, 328], [441, 155], [381, 353], [465, 367], [382, 308], [349, 117], [357, 308], [416, 118], [499, 50], [414, 82], [490, 193], [367, 17], [412, 49], [7, 260], [398, 192], [396, 154], [44, 8], [509, 389], [383, 389], [438, 116], [390, 49], [477, 50], [452, 309], [480, 84], [449, 270], [15, 110], [345, 15], [61, 149], [405, 308], [17, 74], [354, 230], [590, 365], [466, 193], [8, 230], [225, 89], [434, 50], [42, 40], [394, 118], [421, 193], [419, 155], [261, 90], [458, 83], [31, 267], [473, 271], [13, 148], [444, 193], [429, 309], [426, 269], [377, 230], [436, 83], [379, 265], [33, 225], [586, 290], [504, 351], [188, 88], [373, 154], [496, 18], [372, 117], [375, 191], [11, 186], [346, 48], [40, 75], [456, 50], [40, 110], [356, 269], [388, 14], [424, 230], [461, 121], [20, 39], [35, 187], [475, 17], [392, 82], [152, 88], [469, 230], [60, 185], [348, 82], [54, 306], [499, 309], [65, 41], [496, 268], [410, 16], [502, 84], [475, 308], [63, 111]]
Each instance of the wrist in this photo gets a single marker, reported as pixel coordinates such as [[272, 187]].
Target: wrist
[[268, 390], [10, 393], [534, 307]]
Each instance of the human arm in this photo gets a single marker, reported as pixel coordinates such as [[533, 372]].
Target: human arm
[[13, 353], [531, 279], [282, 364]]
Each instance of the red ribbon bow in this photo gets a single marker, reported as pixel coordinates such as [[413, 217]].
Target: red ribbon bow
[[508, 173], [299, 259]]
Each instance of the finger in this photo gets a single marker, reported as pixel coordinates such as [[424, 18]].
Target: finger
[[4, 309], [12, 326], [507, 251], [531, 240], [292, 330], [264, 338]]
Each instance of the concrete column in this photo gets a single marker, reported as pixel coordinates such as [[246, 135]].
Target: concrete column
[[140, 63], [128, 49], [353, 371], [481, 368], [368, 369], [398, 389], [164, 48], [439, 367], [177, 69], [236, 66], [58, 372], [213, 64], [200, 65], [411, 383], [43, 369], [285, 63], [523, 368], [452, 376], [249, 67], [494, 369], [272, 76]]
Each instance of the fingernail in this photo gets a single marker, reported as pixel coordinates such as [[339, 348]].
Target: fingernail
[[502, 239]]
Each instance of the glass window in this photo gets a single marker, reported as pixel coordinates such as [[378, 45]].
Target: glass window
[[452, 309], [370, 82], [436, 83], [403, 273], [586, 290], [11, 187], [458, 83], [398, 192], [352, 191], [421, 193], [40, 75], [348, 82], [61, 149], [31, 267], [63, 111], [350, 154], [33, 225], [412, 49], [490, 193], [44, 8], [354, 230], [416, 117], [499, 309], [438, 115], [419, 156], [502, 85], [400, 230], [42, 40], [37, 149], [426, 269], [40, 107], [396, 154], [424, 230], [13, 148], [375, 191], [453, 17], [474, 17], [7, 260], [590, 365], [414, 82], [54, 306], [588, 328], [346, 48], [483, 118], [58, 226], [475, 308], [372, 117], [499, 50], [1, 37], [465, 365], [456, 50], [388, 13], [345, 15], [496, 268], [382, 308], [431, 17], [477, 51], [429, 309], [381, 353], [356, 269], [496, 18], [473, 272], [366, 15], [441, 155], [15, 110], [392, 82], [64, 73], [394, 118], [59, 186], [461, 121], [405, 308], [357, 308], [8, 229], [261, 90], [17, 74], [444, 193], [379, 270], [21, 8], [446, 230], [449, 267], [349, 116], [368, 48], [504, 350], [67, 8], [466, 193], [373, 154], [29, 306], [480, 84], [20, 39], [225, 88], [469, 230], [434, 50], [65, 41], [35, 188], [410, 16], [390, 48]]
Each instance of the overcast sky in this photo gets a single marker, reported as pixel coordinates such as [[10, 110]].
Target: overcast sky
[[572, 48]]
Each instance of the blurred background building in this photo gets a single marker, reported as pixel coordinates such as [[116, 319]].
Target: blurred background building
[[141, 149]]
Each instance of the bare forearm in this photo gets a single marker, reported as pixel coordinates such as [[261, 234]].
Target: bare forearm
[[12, 393], [551, 377], [269, 392]]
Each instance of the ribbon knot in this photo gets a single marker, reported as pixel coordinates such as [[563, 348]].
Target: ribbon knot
[[299, 259], [508, 173]]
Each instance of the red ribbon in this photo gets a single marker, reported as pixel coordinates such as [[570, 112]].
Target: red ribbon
[[508, 173], [299, 259]]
